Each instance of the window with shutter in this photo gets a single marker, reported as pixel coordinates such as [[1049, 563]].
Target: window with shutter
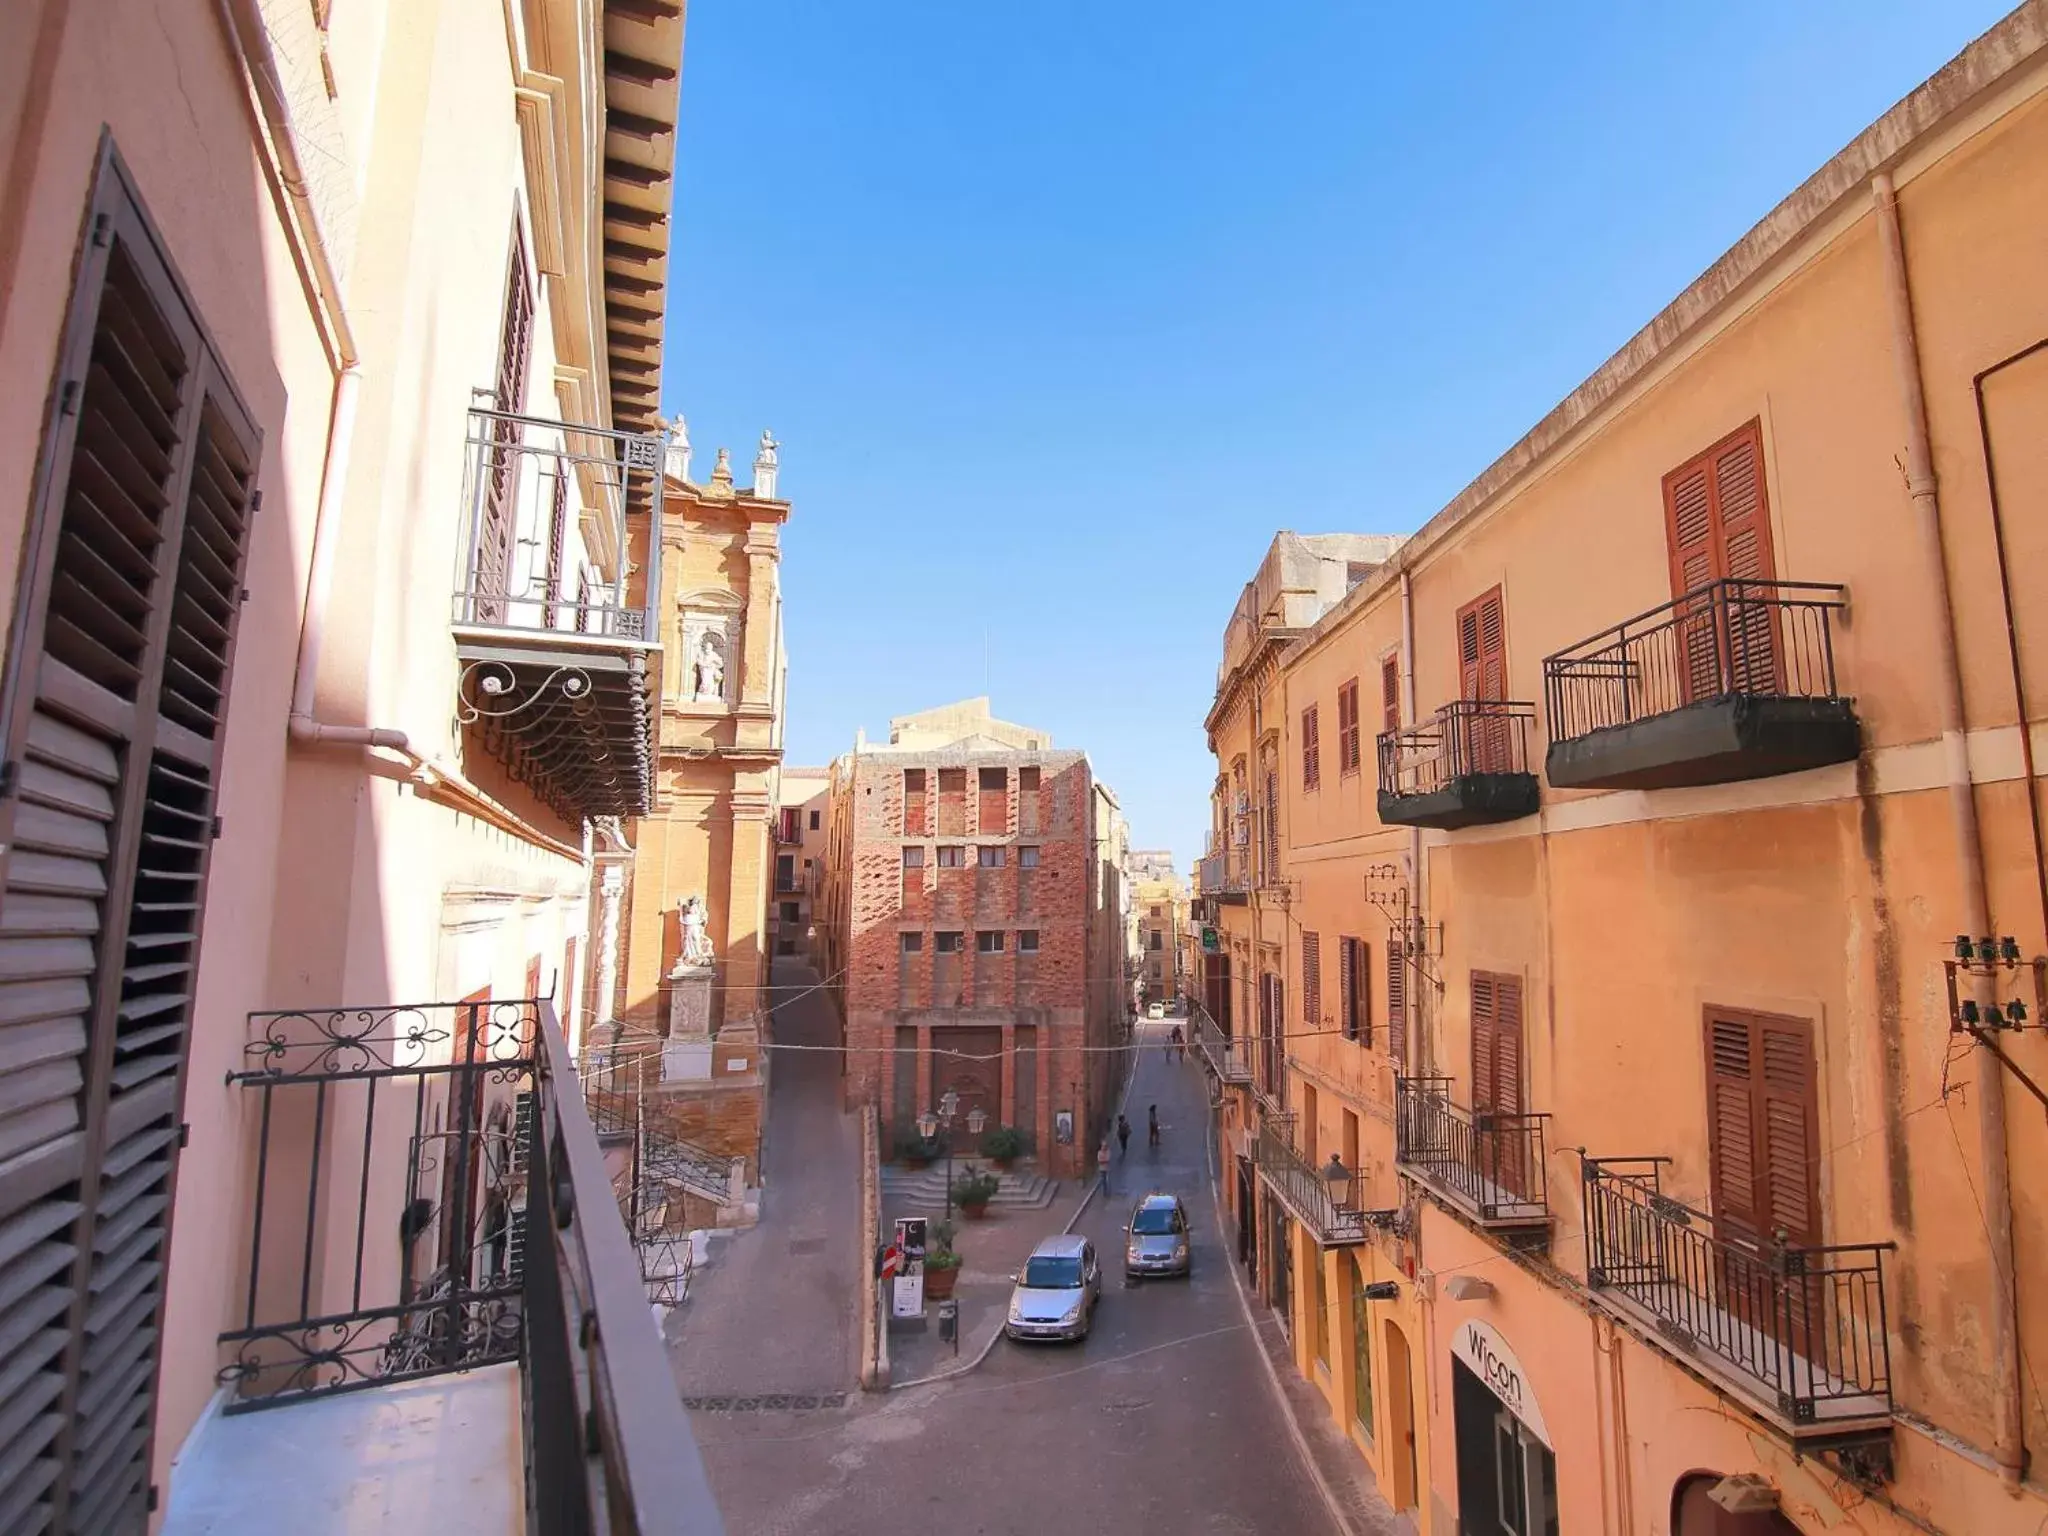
[[1311, 750], [1397, 1005], [113, 706], [1718, 526], [495, 535], [558, 539], [1347, 996], [1762, 1127], [1390, 694], [1311, 981], [1347, 727]]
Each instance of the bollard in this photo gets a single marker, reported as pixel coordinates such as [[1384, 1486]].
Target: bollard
[[949, 1324]]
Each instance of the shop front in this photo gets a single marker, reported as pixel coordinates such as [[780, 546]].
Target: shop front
[[1507, 1469]]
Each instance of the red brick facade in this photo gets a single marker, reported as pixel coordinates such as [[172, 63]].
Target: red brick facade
[[1001, 877]]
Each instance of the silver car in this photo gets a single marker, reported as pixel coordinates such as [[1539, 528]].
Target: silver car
[[1157, 1238], [1057, 1291]]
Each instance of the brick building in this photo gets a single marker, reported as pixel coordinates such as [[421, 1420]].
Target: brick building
[[959, 928]]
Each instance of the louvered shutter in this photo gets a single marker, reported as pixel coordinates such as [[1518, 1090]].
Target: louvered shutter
[[1507, 1044], [1361, 987], [1397, 1004], [1347, 995], [558, 540], [1731, 1127], [117, 679], [1717, 524], [1482, 674], [1787, 1119], [1483, 1063], [1311, 981], [1390, 694], [1311, 750], [499, 511]]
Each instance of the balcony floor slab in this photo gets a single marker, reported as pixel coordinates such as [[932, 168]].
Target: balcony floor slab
[[1470, 800], [441, 1456], [1718, 741]]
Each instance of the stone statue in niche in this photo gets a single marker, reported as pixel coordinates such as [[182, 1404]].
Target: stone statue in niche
[[707, 671], [696, 925]]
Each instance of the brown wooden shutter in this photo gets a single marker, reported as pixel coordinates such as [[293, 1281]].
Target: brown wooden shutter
[[558, 538], [1507, 1045], [1731, 1126], [499, 512], [1390, 694], [1347, 995], [1311, 981], [1482, 649], [1762, 1127], [118, 671], [1397, 1004], [1311, 750], [1483, 1027], [1717, 525]]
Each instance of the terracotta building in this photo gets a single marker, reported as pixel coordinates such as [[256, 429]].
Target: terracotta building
[[968, 904], [328, 465], [1616, 1116], [1159, 897], [703, 859], [801, 798]]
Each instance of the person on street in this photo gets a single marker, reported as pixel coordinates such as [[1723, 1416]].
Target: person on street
[[1102, 1165], [1152, 1124], [1123, 1136], [1179, 1044]]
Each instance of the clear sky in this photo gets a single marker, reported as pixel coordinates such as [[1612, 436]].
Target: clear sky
[[1061, 309]]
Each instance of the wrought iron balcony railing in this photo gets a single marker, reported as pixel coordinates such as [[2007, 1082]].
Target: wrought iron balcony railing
[[446, 1147], [1225, 876], [1489, 1163], [1225, 1055], [1330, 1211], [1736, 679], [1466, 764], [560, 658], [1801, 1331]]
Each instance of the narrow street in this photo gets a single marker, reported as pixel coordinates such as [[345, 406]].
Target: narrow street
[[1161, 1420]]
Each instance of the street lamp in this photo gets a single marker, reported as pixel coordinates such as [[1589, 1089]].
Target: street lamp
[[931, 1124], [1338, 1178]]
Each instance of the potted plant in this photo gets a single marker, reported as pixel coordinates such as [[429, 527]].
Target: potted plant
[[941, 1262], [972, 1192], [913, 1151], [1003, 1145]]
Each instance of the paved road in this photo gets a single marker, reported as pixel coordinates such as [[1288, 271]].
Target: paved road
[[777, 1310], [1162, 1421]]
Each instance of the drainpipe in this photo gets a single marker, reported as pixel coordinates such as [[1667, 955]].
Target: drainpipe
[[1418, 924], [2009, 1442]]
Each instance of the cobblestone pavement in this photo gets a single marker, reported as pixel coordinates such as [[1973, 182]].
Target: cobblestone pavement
[[1163, 1420], [774, 1316]]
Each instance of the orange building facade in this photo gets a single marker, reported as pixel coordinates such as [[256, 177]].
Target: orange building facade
[[1607, 1110]]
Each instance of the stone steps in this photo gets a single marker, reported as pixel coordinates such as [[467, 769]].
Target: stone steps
[[925, 1188]]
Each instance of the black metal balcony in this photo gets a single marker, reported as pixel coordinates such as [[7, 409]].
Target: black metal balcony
[[1799, 1332], [1223, 882], [1489, 1165], [1328, 1210], [1225, 1056], [560, 666], [1468, 764], [1734, 680], [430, 1198]]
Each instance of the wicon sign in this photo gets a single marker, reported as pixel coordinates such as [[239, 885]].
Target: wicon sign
[[1489, 1358]]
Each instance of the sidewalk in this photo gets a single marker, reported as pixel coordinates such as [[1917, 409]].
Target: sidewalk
[[993, 1250]]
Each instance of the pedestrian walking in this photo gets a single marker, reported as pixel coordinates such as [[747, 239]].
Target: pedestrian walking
[[1152, 1124], [1102, 1165], [1123, 1136], [1179, 1044]]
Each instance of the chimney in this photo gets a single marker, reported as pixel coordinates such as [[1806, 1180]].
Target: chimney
[[677, 465]]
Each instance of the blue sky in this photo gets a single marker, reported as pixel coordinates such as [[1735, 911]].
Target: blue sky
[[1060, 309]]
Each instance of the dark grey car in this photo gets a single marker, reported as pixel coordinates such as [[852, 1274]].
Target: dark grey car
[[1157, 1240]]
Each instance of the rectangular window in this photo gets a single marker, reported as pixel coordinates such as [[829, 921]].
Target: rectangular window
[[990, 858], [116, 698], [1397, 1004], [915, 816], [952, 801], [1311, 981], [1762, 1127], [1027, 942], [1390, 694], [1027, 857], [952, 857], [913, 858], [785, 872], [1030, 815], [988, 943], [1354, 965], [913, 943], [814, 821], [1311, 750], [490, 577], [1027, 779], [1347, 727], [946, 943], [788, 824], [993, 814], [1157, 939], [1717, 523], [792, 912]]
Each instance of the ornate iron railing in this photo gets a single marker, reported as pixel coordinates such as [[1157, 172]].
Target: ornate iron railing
[[1807, 1326], [1465, 737], [1224, 1054], [1761, 639], [430, 1196], [1490, 1163], [1334, 1217], [612, 1083], [1223, 876], [537, 492]]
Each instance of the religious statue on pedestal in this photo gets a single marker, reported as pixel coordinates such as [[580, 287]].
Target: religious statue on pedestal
[[696, 924]]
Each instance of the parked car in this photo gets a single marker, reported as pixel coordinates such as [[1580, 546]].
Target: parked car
[[1056, 1293], [1155, 1011], [1157, 1238]]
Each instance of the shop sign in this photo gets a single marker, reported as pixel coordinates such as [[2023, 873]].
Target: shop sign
[[1489, 1358]]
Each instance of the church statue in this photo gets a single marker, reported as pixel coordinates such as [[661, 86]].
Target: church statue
[[696, 931], [707, 671]]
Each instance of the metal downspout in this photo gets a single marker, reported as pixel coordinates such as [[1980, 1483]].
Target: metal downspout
[[2009, 1441], [1418, 913]]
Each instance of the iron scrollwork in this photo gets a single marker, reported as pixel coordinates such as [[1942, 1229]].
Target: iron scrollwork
[[491, 690]]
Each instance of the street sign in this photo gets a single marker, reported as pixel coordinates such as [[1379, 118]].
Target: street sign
[[907, 1291]]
